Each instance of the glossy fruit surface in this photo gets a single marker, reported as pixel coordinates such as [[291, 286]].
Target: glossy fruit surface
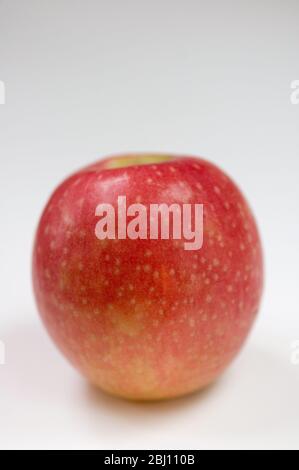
[[147, 319]]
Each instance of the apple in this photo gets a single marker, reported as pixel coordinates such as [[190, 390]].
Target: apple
[[146, 318]]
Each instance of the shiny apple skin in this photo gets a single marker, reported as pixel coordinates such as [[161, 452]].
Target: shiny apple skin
[[146, 319]]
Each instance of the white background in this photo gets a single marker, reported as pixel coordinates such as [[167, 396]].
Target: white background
[[89, 78]]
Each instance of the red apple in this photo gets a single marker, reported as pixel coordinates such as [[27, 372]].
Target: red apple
[[146, 318]]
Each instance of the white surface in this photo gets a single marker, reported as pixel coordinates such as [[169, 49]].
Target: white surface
[[86, 79]]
